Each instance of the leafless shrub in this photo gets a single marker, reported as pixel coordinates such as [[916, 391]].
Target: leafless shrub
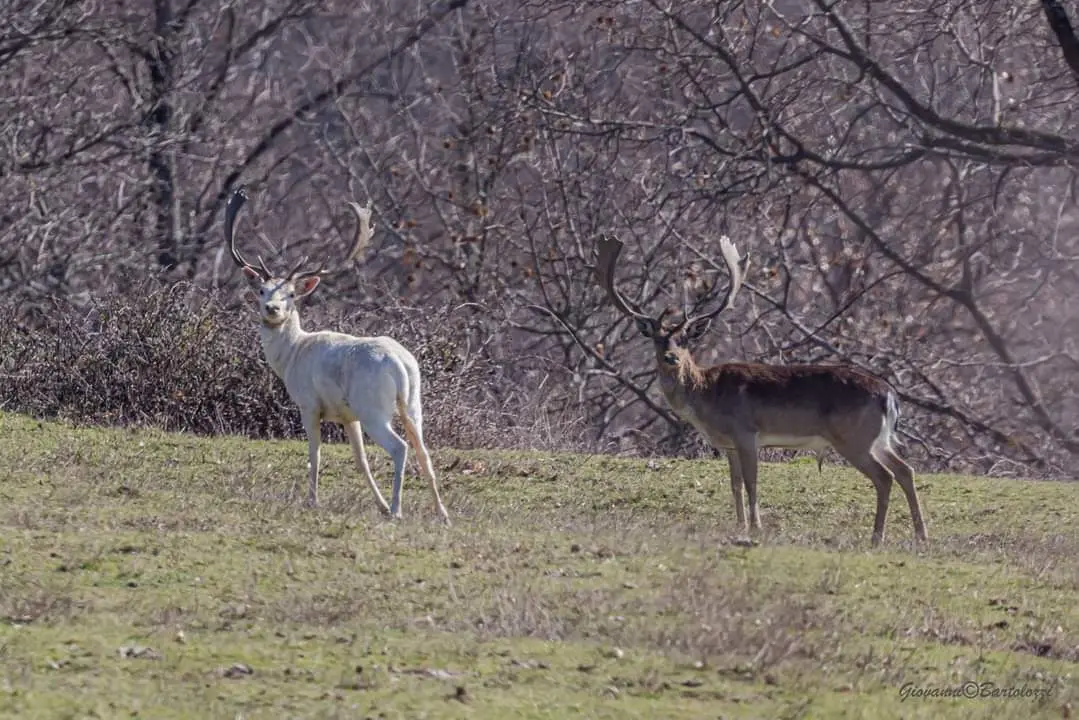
[[172, 356], [167, 357]]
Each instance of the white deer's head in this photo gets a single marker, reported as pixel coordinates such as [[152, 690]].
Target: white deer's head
[[275, 296]]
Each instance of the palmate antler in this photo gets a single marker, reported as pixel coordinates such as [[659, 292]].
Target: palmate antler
[[609, 249], [364, 231], [236, 201], [736, 270]]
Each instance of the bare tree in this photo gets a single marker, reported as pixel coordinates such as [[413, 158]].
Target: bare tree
[[902, 171]]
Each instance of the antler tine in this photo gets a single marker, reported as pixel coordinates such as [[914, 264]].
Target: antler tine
[[609, 250], [296, 268], [736, 268], [232, 209], [265, 270]]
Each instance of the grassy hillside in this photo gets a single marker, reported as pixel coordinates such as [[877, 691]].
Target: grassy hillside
[[171, 577]]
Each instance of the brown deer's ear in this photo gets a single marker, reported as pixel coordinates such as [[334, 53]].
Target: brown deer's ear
[[647, 327], [697, 328]]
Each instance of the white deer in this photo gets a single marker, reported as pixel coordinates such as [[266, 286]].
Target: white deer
[[355, 381]]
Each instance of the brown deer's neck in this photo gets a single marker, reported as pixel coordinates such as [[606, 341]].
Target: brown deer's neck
[[687, 371], [680, 380]]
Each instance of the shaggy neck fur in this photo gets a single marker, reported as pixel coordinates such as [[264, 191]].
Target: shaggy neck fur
[[280, 342], [686, 372]]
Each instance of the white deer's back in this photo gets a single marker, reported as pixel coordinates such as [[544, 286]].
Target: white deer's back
[[348, 377]]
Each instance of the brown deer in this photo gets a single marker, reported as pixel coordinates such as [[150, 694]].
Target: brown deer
[[741, 407]]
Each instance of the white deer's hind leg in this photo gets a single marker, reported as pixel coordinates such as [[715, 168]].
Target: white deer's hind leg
[[413, 424], [383, 434], [355, 439], [314, 441]]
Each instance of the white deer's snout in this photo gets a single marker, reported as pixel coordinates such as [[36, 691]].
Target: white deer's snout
[[273, 314]]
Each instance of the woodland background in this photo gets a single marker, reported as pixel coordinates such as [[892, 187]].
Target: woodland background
[[901, 173]]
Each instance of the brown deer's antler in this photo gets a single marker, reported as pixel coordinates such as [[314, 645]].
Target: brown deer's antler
[[736, 269], [609, 250]]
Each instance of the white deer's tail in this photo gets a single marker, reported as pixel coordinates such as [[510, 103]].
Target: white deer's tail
[[410, 408], [409, 402]]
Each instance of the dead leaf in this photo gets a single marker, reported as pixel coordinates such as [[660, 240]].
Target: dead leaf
[[429, 672], [139, 651], [236, 671]]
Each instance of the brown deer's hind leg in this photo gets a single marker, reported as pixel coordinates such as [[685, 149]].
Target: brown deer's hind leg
[[881, 477], [904, 475], [747, 460]]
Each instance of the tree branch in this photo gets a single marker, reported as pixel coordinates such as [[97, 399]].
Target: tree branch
[[1058, 21]]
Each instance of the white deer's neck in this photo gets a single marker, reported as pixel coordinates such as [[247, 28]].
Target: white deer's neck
[[280, 343]]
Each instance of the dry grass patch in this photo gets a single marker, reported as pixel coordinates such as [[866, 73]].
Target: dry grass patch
[[172, 576]]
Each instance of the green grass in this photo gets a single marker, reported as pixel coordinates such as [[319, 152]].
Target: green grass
[[145, 574]]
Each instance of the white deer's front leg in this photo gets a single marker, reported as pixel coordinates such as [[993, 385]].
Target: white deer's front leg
[[311, 424]]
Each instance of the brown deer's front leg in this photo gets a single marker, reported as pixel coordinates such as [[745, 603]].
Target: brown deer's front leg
[[736, 489], [746, 449]]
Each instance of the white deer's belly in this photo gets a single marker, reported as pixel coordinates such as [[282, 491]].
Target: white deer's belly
[[335, 409], [327, 400], [801, 442]]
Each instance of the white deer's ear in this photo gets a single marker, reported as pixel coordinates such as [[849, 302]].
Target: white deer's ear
[[307, 285], [252, 274]]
